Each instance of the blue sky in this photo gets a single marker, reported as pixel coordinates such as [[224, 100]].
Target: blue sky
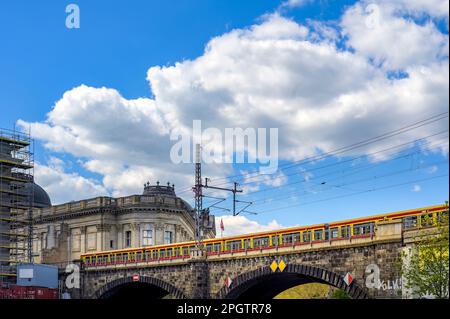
[[118, 43]]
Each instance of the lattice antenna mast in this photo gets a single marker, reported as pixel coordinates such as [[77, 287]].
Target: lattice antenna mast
[[198, 191]]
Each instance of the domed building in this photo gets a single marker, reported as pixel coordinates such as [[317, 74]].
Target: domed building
[[40, 198], [157, 216]]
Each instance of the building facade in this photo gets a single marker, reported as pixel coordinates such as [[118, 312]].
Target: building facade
[[63, 232]]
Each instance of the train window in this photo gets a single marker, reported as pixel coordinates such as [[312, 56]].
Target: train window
[[307, 236], [261, 242], [287, 239], [443, 216], [209, 248], [362, 229], [275, 239], [410, 222], [154, 254], [169, 252], [234, 245], [185, 251], [217, 247], [318, 234], [334, 232], [247, 243], [162, 253], [345, 231], [426, 220], [139, 256], [296, 237]]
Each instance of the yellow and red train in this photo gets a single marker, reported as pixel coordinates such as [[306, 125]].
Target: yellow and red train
[[340, 230]]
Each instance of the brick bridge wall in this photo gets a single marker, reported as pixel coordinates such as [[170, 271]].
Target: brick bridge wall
[[200, 278]]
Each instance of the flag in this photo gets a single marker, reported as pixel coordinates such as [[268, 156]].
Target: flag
[[228, 281], [222, 228]]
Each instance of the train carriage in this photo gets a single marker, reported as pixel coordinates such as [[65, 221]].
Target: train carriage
[[341, 230]]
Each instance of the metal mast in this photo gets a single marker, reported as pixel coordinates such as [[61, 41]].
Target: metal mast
[[198, 191]]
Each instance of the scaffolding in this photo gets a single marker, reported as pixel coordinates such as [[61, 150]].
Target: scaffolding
[[16, 201]]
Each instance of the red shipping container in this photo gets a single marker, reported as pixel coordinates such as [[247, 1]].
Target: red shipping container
[[23, 292]]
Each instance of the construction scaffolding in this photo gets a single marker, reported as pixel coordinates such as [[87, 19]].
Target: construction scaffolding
[[16, 201]]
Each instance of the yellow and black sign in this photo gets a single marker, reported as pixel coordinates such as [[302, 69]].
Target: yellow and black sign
[[274, 266]]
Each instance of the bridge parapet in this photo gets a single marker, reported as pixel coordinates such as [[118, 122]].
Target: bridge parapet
[[389, 230]]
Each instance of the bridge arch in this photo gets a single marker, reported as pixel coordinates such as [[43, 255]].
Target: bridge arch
[[157, 287], [265, 284]]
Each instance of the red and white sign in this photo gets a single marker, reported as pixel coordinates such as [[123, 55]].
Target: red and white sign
[[228, 281], [136, 277], [348, 279]]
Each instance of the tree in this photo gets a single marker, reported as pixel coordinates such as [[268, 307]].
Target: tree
[[339, 294], [426, 268]]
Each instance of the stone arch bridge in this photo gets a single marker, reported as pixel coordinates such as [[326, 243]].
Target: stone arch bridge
[[372, 262]]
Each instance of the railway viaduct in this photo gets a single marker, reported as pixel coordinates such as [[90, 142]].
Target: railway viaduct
[[373, 263]]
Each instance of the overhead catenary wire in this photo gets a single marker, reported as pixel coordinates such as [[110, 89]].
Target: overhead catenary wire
[[184, 190], [306, 171], [344, 149], [356, 193], [289, 195]]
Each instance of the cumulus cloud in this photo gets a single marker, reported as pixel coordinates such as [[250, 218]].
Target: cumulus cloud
[[433, 169], [253, 182], [237, 225], [63, 186], [378, 32], [293, 4], [277, 73]]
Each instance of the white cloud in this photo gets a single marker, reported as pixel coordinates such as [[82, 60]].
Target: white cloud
[[293, 3], [252, 182], [416, 188], [378, 32], [236, 225], [277, 73], [63, 186], [433, 169]]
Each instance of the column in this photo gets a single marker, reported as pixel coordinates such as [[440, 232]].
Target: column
[[135, 239], [120, 236], [159, 234], [83, 239]]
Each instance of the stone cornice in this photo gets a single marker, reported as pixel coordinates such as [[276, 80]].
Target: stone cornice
[[116, 211]]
